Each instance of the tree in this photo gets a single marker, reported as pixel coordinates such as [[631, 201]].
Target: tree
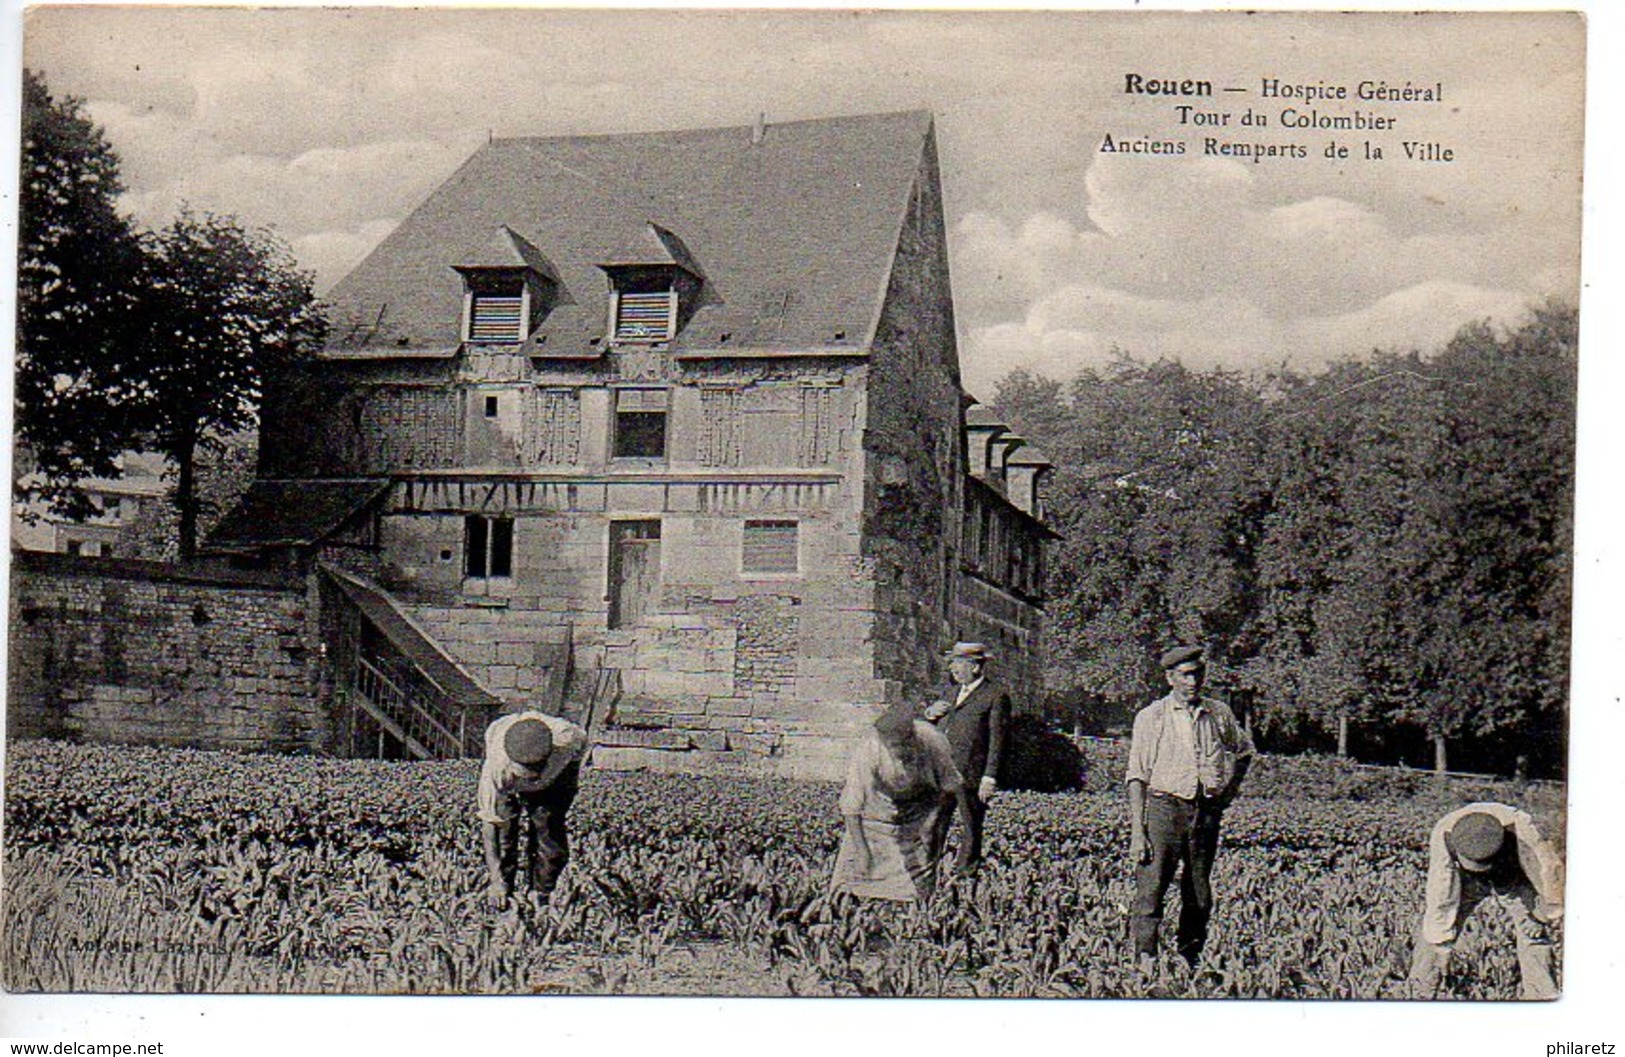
[[1385, 545], [1416, 567], [1157, 501], [77, 405], [222, 306], [1505, 481]]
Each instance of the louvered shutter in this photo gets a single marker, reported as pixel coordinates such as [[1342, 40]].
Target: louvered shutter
[[495, 319], [644, 316], [770, 547]]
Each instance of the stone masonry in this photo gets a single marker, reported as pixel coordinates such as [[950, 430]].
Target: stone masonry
[[143, 653]]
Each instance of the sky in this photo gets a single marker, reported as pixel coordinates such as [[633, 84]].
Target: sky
[[330, 125]]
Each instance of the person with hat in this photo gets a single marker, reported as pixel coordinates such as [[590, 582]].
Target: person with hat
[[1492, 852], [528, 780], [975, 720], [1187, 759], [901, 779]]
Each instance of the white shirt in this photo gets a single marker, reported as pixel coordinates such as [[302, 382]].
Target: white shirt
[[498, 774], [965, 690], [1441, 916], [1186, 749]]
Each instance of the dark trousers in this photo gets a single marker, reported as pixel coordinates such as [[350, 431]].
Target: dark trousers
[[539, 825], [969, 807], [1180, 832]]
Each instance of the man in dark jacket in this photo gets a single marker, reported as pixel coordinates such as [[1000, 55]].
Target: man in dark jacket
[[975, 720]]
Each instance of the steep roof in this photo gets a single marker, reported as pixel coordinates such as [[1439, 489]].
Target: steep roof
[[293, 513], [1028, 456], [982, 415], [507, 248], [793, 232]]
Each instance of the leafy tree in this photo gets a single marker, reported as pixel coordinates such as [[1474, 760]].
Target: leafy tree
[[1386, 544], [222, 306], [1157, 501], [76, 399], [1415, 569], [1505, 485]]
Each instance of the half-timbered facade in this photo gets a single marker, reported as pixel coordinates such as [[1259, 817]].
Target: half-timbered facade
[[667, 431]]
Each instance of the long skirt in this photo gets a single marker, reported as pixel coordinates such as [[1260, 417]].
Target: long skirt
[[903, 864]]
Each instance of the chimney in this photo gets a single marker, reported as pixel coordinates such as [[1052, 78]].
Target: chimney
[[758, 131]]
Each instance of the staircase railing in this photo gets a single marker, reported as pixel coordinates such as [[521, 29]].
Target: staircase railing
[[430, 728], [393, 674]]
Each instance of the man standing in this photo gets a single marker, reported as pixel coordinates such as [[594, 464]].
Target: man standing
[[1186, 762], [974, 721], [528, 780], [1494, 852]]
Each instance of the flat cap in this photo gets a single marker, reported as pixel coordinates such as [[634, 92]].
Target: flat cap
[[970, 651], [1476, 838], [1179, 655], [529, 741]]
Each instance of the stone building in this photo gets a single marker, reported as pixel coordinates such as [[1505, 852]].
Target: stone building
[[662, 430], [117, 503]]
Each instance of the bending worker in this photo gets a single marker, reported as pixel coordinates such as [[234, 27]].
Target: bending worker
[[1489, 851], [528, 781]]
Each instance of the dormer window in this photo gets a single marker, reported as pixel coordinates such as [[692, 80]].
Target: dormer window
[[497, 310], [508, 286], [645, 309], [654, 286]]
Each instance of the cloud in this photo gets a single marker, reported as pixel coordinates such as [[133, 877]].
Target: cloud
[[324, 202], [330, 124], [1077, 328], [1421, 317], [1196, 260], [331, 254]]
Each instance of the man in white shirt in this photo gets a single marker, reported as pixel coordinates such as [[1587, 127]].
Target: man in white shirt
[[529, 779], [1186, 763], [1490, 852]]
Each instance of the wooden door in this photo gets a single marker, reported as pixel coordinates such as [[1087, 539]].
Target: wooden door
[[634, 570]]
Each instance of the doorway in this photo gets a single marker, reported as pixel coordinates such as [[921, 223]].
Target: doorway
[[634, 570]]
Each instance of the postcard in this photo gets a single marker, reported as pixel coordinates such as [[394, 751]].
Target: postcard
[[757, 503]]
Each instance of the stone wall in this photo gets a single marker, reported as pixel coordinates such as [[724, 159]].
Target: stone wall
[[148, 653], [777, 666], [768, 671], [914, 476], [1011, 626]]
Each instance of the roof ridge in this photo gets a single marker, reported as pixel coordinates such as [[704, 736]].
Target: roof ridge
[[834, 119]]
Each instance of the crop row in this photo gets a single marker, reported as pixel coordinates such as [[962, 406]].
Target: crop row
[[161, 870]]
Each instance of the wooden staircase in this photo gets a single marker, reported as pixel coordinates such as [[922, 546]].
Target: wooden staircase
[[403, 696]]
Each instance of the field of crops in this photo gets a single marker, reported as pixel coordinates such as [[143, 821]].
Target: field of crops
[[176, 871]]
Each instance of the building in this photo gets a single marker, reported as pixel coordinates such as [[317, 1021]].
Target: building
[[118, 504], [662, 430]]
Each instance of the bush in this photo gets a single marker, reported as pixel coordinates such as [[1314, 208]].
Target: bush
[[1041, 759]]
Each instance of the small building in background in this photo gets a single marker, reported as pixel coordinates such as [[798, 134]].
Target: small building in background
[[121, 503]]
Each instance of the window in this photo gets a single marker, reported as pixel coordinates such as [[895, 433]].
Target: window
[[770, 547], [645, 309], [488, 546], [640, 424], [490, 407], [496, 312]]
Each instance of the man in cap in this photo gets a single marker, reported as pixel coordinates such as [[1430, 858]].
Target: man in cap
[[974, 719], [528, 780], [1489, 852], [1187, 759]]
